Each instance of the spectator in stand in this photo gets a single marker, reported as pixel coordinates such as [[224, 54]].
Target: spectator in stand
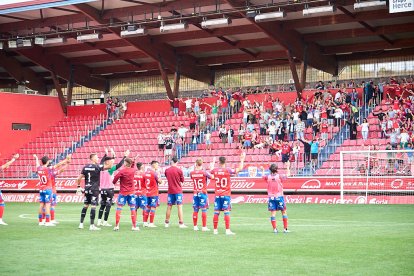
[[353, 125], [320, 85], [203, 120], [291, 129], [108, 107], [324, 129], [214, 114], [393, 137], [241, 133], [195, 136], [314, 152], [169, 144], [250, 126], [208, 140], [230, 135], [161, 141], [338, 116], [315, 128], [224, 104], [404, 137], [262, 125], [286, 150], [300, 128], [196, 106], [182, 132], [179, 147], [281, 131], [176, 105], [192, 119], [255, 138], [410, 154], [307, 151], [272, 130], [223, 134], [123, 108], [188, 105], [364, 130], [117, 108], [247, 144]]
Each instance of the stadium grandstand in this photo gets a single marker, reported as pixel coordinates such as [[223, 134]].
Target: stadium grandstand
[[206, 137], [207, 78]]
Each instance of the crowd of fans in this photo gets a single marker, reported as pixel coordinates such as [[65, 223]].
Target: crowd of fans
[[283, 128]]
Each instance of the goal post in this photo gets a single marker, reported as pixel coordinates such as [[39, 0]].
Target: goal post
[[377, 177]]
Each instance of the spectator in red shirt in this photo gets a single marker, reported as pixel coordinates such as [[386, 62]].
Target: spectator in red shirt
[[192, 119], [176, 105], [286, 149], [175, 180], [324, 130]]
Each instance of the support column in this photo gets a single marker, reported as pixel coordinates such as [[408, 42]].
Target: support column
[[304, 68], [62, 99], [294, 74], [167, 85]]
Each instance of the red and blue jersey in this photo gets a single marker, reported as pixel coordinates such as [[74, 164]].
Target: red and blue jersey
[[140, 188], [199, 178], [46, 176], [151, 183], [222, 177]]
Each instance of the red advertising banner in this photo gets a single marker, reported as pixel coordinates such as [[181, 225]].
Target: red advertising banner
[[245, 184], [240, 199]]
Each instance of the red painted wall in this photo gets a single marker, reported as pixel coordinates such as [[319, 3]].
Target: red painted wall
[[40, 111], [87, 110]]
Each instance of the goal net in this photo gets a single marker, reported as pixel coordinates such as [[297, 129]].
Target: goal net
[[377, 177]]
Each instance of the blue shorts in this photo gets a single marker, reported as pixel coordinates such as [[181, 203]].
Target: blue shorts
[[247, 143], [54, 199], [45, 196], [153, 201], [141, 202], [200, 201], [175, 199], [123, 199], [277, 203], [222, 203]]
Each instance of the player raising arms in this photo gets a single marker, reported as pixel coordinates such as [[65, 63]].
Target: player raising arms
[[140, 189], [276, 199], [200, 199], [223, 191], [46, 175], [106, 185], [152, 180], [126, 193], [53, 204], [92, 175], [175, 178], [3, 167]]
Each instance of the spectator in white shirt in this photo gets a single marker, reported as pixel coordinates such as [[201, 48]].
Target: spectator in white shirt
[[365, 129]]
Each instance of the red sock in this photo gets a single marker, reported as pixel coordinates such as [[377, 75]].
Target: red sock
[[204, 218], [47, 218], [43, 215], [152, 216], [118, 215], [215, 220], [1, 211], [285, 222], [195, 218], [134, 217], [227, 220], [145, 215], [52, 214], [273, 221]]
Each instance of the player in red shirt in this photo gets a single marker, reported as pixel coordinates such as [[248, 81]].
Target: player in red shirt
[[152, 180], [200, 199], [175, 178], [53, 204], [140, 189], [126, 193], [223, 191], [46, 175], [3, 167], [276, 199]]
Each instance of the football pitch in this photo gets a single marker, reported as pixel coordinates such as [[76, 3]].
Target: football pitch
[[324, 240]]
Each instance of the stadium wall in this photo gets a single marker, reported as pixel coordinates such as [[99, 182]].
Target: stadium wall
[[39, 111]]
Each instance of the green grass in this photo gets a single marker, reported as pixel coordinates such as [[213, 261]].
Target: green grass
[[325, 239]]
